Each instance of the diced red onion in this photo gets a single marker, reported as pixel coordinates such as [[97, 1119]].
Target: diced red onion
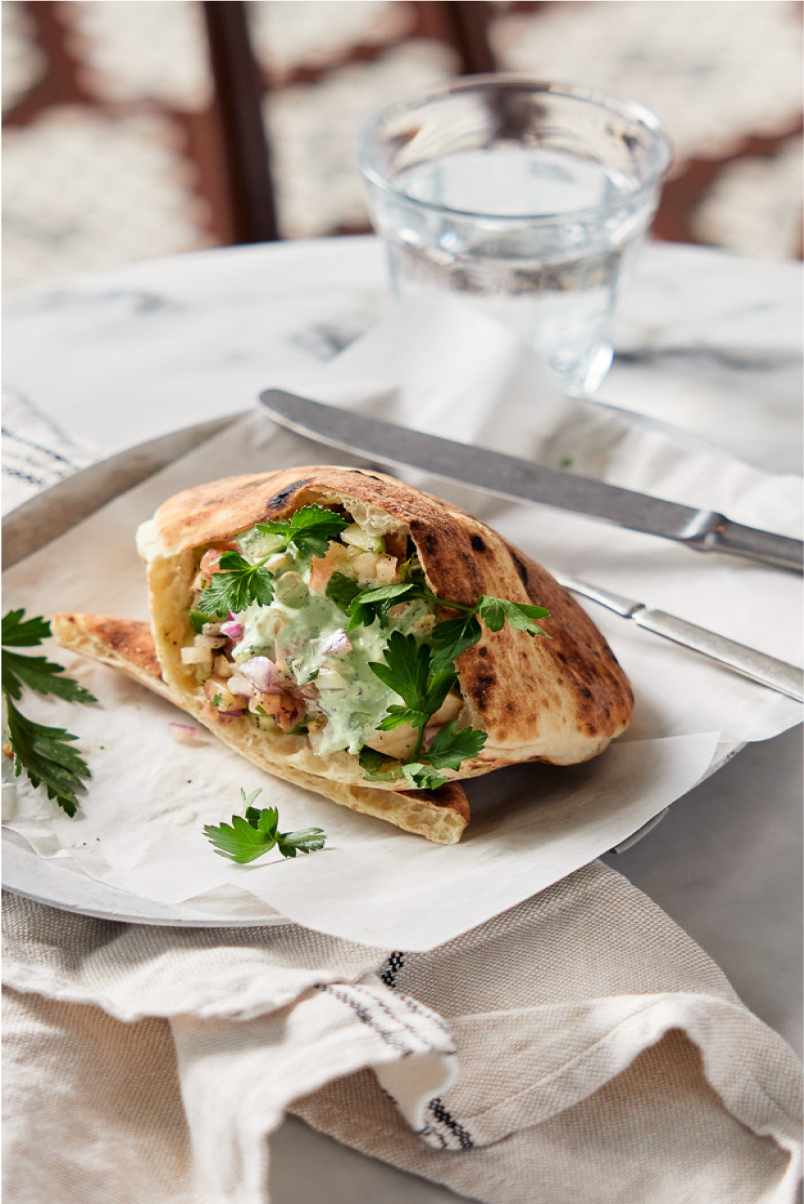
[[228, 716], [296, 717], [232, 629], [240, 685], [184, 733], [262, 671], [337, 642]]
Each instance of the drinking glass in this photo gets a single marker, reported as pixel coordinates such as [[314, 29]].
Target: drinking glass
[[530, 199]]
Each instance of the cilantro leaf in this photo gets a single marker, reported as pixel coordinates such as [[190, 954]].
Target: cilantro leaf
[[450, 748], [235, 584], [495, 611], [20, 632], [309, 529], [41, 675], [249, 836], [46, 756]]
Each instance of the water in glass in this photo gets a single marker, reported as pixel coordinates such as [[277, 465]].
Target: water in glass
[[554, 280]]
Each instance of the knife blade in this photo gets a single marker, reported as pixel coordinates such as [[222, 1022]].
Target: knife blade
[[776, 674], [523, 481]]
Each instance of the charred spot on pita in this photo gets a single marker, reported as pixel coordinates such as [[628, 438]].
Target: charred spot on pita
[[521, 568], [283, 497], [478, 543], [483, 684]]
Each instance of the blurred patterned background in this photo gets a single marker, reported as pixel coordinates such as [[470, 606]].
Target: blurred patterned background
[[115, 118]]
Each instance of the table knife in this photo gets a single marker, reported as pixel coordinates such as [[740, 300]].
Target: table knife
[[523, 481], [777, 674]]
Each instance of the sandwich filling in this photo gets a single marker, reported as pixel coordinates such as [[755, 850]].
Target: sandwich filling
[[295, 627]]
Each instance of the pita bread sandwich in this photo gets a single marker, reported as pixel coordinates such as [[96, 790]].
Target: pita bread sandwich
[[354, 635]]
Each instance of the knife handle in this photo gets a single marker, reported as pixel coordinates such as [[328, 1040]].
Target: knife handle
[[779, 675], [766, 546]]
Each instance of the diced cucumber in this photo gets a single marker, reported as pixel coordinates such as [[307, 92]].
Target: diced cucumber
[[359, 538], [256, 545]]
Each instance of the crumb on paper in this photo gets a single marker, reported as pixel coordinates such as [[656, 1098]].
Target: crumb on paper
[[186, 733]]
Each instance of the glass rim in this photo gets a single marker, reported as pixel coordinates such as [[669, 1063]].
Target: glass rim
[[630, 109]]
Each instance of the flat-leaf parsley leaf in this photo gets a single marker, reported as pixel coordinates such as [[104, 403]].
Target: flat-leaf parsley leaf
[[450, 748], [249, 837], [44, 753], [309, 529], [235, 584]]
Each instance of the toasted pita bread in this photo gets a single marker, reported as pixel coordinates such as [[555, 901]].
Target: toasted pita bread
[[128, 646], [559, 700]]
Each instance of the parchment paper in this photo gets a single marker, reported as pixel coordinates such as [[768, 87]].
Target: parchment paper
[[447, 370]]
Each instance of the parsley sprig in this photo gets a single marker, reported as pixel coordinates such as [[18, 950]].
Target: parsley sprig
[[449, 638], [309, 529], [236, 582], [249, 837], [409, 671], [44, 754], [448, 750]]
